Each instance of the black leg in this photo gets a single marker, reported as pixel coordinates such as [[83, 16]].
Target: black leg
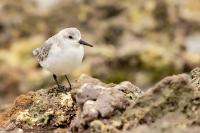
[[70, 86], [55, 78], [60, 87]]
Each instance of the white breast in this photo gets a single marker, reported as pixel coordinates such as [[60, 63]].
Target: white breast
[[63, 60]]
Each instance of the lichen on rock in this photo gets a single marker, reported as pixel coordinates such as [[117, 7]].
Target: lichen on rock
[[195, 75], [50, 109], [93, 106], [89, 100], [171, 105]]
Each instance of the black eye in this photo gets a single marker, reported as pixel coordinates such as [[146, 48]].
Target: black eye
[[70, 37]]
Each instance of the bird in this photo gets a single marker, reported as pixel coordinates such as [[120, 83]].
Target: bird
[[62, 53]]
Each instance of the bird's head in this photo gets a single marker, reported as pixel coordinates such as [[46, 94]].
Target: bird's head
[[73, 36]]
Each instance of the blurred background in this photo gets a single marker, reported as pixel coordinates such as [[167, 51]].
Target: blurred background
[[137, 40]]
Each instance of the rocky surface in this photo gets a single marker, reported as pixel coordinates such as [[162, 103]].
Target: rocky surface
[[101, 101], [172, 105], [44, 109], [48, 109]]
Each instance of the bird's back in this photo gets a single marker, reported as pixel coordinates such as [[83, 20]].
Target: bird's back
[[43, 52]]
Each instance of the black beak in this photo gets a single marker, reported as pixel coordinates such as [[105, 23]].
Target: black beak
[[85, 43]]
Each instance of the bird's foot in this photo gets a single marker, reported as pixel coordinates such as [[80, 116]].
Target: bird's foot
[[59, 89], [62, 88]]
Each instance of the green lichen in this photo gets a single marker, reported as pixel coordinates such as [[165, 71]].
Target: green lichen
[[49, 109]]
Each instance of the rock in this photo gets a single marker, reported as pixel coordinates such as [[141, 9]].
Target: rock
[[88, 92], [16, 130], [43, 109], [172, 105], [117, 96], [195, 75], [164, 129], [89, 110], [169, 95], [101, 101], [89, 100], [21, 103]]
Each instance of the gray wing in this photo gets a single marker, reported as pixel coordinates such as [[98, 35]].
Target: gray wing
[[42, 52]]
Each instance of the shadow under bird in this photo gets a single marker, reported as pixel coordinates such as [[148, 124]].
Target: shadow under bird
[[62, 53]]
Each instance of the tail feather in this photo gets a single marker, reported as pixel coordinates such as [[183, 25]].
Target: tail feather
[[35, 51]]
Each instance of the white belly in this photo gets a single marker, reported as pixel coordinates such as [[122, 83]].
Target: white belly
[[63, 61]]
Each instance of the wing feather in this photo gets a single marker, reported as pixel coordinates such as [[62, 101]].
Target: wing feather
[[42, 52]]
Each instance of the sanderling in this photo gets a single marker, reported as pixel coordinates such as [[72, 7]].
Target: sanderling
[[62, 53]]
